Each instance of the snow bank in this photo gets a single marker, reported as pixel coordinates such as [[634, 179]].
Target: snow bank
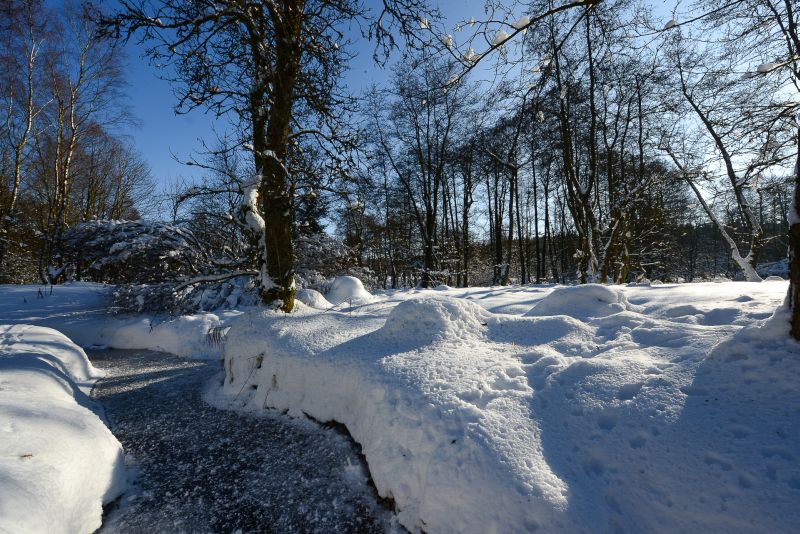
[[348, 289], [581, 302], [58, 462], [188, 336], [608, 414], [434, 425]]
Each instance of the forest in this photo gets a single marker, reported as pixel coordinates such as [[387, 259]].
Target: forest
[[612, 142]]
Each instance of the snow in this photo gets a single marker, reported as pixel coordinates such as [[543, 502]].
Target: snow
[[348, 289], [500, 37], [313, 299], [522, 22], [582, 302], [578, 409], [186, 336], [767, 67], [80, 311], [59, 464], [669, 407]]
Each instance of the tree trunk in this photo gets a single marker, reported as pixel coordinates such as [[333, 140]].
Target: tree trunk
[[794, 249], [276, 189], [510, 245]]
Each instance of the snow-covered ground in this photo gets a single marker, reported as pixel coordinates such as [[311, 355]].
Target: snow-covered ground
[[59, 464], [643, 408], [81, 311], [640, 408]]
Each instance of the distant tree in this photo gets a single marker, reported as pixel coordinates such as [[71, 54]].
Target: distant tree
[[62, 160], [415, 127]]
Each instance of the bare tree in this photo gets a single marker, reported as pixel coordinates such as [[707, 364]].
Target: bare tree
[[416, 139], [271, 65], [84, 80]]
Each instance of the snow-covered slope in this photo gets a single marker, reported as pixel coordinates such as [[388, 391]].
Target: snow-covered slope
[[615, 415], [58, 462]]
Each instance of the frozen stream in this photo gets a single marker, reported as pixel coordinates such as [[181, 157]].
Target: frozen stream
[[196, 468]]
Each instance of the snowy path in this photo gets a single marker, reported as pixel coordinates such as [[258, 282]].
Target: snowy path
[[201, 469]]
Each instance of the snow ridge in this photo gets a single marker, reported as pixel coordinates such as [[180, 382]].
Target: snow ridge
[[59, 464], [600, 408]]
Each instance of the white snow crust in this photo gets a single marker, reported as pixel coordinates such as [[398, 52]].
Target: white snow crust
[[577, 410], [58, 462], [313, 299], [581, 302]]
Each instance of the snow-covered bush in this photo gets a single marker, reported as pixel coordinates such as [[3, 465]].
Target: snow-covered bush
[[130, 251], [161, 267], [313, 299], [170, 297], [348, 289]]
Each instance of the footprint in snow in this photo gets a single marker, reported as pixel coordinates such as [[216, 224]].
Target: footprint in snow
[[629, 391], [712, 458], [608, 418]]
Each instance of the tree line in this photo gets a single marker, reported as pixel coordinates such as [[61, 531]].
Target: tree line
[[62, 158]]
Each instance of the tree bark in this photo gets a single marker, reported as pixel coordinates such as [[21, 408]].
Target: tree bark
[[794, 250], [276, 189]]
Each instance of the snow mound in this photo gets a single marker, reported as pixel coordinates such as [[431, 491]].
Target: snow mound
[[443, 425], [186, 335], [429, 319], [582, 302], [313, 299], [562, 332], [774, 278], [59, 464], [348, 289]]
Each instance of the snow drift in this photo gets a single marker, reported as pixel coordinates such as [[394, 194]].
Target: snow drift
[[58, 462], [80, 311], [313, 299], [591, 413], [582, 302]]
